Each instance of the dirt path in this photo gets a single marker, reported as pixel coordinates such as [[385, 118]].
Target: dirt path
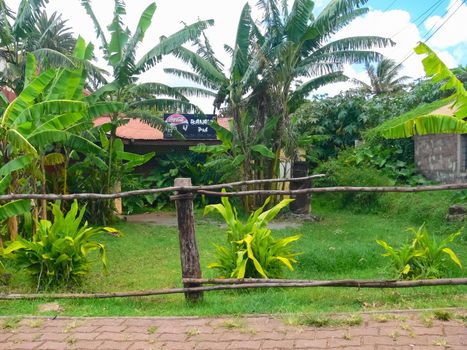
[[169, 219], [368, 331]]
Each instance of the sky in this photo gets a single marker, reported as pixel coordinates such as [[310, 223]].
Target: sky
[[405, 21]]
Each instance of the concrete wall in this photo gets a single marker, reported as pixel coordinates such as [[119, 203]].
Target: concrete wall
[[441, 157]]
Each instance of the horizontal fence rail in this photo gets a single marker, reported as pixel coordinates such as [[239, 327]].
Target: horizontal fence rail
[[244, 284], [193, 284], [207, 190], [185, 189]]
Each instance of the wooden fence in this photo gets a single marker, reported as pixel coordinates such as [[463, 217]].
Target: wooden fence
[[193, 283]]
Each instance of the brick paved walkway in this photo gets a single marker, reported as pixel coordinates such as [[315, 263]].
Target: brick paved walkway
[[374, 331]]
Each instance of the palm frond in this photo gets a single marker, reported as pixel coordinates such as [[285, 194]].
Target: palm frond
[[297, 22], [196, 78], [118, 35], [99, 32], [242, 44], [199, 65], [356, 43], [194, 91], [167, 105], [152, 90], [125, 67], [304, 90], [169, 44], [27, 15], [331, 16]]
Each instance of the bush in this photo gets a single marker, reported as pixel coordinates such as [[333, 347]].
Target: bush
[[252, 252], [57, 255], [424, 257], [166, 168], [342, 173]]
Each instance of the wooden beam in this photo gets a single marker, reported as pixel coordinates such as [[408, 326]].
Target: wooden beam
[[263, 284]]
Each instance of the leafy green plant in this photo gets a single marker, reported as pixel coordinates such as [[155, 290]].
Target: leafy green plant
[[424, 257], [165, 168], [58, 252], [251, 250], [342, 172]]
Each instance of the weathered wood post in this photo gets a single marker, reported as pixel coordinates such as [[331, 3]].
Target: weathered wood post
[[302, 203], [189, 256]]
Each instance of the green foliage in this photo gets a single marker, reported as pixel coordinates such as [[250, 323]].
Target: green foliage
[[58, 253], [251, 250], [424, 124], [423, 257], [327, 125], [164, 170], [341, 172], [393, 158]]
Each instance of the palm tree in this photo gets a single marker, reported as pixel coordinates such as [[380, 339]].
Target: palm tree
[[32, 31], [384, 77]]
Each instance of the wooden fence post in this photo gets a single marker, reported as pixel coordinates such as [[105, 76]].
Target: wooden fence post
[[189, 255]]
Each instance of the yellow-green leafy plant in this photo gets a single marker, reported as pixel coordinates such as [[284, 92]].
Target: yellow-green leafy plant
[[424, 257], [58, 254], [251, 251]]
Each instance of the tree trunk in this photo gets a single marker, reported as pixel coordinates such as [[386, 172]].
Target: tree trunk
[[44, 189], [13, 228]]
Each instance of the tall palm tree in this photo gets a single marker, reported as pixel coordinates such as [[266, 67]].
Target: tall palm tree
[[384, 77], [30, 30]]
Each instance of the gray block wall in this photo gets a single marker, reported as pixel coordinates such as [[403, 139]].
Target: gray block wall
[[442, 157]]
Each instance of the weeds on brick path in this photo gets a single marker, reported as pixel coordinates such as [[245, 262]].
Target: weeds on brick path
[[443, 315], [38, 323], [11, 323], [152, 330], [324, 321], [191, 332]]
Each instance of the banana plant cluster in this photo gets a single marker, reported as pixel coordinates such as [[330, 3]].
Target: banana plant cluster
[[276, 63], [47, 121], [251, 250]]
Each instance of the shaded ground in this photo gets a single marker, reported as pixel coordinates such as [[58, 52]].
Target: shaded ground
[[169, 219], [368, 331]]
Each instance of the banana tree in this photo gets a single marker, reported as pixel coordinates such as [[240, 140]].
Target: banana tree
[[433, 123], [140, 100], [50, 113], [275, 65]]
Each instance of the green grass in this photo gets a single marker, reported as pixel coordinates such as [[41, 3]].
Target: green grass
[[341, 246]]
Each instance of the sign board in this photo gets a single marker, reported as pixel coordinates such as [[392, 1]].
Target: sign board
[[191, 126]]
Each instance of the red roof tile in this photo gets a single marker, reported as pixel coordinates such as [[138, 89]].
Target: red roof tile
[[135, 129]]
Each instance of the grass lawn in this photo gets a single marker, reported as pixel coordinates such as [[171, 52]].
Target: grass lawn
[[340, 246]]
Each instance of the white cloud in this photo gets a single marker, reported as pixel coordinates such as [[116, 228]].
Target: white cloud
[[453, 32], [397, 25], [170, 14]]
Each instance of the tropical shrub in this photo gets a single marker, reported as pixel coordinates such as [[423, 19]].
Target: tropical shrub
[[340, 172], [423, 257], [58, 253], [251, 251], [165, 169]]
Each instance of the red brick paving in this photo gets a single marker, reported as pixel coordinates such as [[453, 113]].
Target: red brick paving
[[382, 332]]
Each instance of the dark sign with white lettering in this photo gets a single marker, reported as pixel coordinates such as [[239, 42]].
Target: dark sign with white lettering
[[191, 126]]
